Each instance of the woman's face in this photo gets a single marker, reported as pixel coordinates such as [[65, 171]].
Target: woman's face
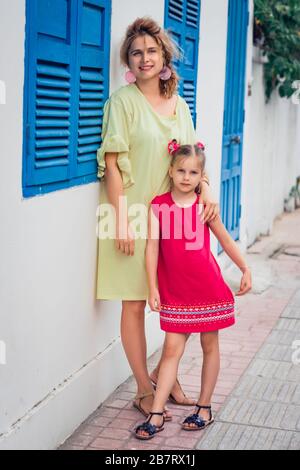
[[145, 58]]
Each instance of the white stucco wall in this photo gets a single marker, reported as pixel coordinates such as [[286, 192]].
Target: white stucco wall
[[63, 351], [273, 156]]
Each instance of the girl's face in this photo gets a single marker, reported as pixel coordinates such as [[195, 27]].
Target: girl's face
[[186, 174], [145, 58]]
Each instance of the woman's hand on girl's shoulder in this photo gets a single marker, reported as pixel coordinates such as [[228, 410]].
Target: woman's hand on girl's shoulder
[[211, 211], [246, 283], [211, 207]]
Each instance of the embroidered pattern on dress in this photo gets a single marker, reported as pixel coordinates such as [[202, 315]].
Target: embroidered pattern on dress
[[196, 309], [205, 314]]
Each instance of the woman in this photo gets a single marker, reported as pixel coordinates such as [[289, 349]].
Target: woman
[[139, 120]]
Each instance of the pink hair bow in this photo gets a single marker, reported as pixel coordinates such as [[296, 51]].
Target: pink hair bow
[[200, 145], [173, 146]]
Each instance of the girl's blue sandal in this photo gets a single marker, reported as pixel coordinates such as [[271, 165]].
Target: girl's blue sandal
[[197, 420], [149, 428]]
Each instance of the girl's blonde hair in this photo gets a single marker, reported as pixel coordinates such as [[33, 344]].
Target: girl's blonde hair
[[170, 50], [184, 151]]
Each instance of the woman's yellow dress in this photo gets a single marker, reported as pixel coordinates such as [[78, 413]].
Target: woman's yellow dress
[[140, 135]]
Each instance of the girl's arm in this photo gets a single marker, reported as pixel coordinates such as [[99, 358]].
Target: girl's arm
[[114, 184], [232, 250], [152, 250]]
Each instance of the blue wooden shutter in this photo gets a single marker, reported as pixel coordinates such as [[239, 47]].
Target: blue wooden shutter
[[66, 85], [233, 122], [182, 18], [50, 68], [93, 66]]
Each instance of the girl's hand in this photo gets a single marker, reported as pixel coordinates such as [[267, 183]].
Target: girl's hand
[[212, 208], [125, 244], [246, 282], [154, 300]]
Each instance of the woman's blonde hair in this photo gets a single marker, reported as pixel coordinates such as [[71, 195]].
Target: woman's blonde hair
[[170, 50]]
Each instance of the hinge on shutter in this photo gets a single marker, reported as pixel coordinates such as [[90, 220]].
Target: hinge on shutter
[[243, 115], [248, 14], [240, 211]]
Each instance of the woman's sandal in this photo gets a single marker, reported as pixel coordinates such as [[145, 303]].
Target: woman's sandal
[[196, 419], [172, 399], [149, 428], [138, 406]]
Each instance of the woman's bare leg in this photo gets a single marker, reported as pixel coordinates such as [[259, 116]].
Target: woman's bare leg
[[134, 341], [210, 369], [134, 344]]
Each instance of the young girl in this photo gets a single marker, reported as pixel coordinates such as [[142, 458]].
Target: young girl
[[191, 295]]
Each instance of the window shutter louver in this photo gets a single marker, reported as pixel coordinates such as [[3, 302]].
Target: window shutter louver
[[176, 10], [182, 18], [50, 69], [66, 84], [92, 79]]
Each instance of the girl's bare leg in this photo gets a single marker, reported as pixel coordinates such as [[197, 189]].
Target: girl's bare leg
[[173, 349], [176, 391], [210, 369], [134, 343]]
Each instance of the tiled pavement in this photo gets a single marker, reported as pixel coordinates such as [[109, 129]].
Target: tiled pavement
[[257, 398], [263, 411]]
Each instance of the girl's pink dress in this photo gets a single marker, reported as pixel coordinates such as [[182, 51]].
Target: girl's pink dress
[[194, 296]]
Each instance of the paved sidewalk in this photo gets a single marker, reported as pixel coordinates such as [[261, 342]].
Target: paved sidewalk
[[257, 398]]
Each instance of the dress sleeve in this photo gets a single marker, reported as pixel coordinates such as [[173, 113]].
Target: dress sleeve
[[115, 138]]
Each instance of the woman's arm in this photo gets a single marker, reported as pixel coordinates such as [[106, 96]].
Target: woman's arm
[[232, 250], [152, 250], [212, 208], [114, 184], [205, 178]]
